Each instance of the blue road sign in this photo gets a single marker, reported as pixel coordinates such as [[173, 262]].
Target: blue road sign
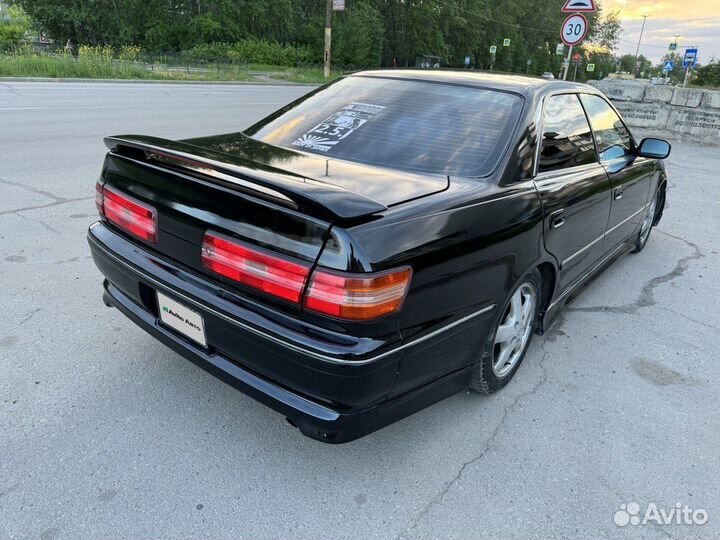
[[673, 46], [669, 65], [690, 58], [467, 60]]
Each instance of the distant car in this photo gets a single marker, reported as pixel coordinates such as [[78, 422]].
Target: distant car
[[548, 75], [383, 242]]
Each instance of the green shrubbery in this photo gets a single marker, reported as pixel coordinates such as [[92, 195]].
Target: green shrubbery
[[709, 74], [14, 28], [251, 51]]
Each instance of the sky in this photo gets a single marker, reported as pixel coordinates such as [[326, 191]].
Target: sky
[[696, 22]]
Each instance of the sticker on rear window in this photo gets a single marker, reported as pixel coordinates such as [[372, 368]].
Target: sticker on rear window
[[337, 126]]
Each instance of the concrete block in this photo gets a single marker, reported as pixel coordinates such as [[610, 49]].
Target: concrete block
[[686, 97], [644, 115], [710, 99], [622, 90], [702, 124], [660, 93]]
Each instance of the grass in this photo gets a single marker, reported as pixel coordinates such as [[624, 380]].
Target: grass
[[64, 66]]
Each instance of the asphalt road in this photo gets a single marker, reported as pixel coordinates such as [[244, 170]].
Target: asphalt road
[[106, 433]]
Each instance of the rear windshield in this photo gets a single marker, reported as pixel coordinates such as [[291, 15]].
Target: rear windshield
[[410, 125]]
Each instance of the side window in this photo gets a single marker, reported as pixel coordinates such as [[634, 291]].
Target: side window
[[566, 139], [613, 138]]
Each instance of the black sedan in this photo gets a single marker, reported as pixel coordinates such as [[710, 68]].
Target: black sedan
[[383, 242]]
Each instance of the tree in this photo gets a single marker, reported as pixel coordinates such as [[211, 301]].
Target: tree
[[14, 28], [708, 75], [603, 41]]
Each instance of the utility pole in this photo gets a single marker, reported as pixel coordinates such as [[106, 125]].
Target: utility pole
[[328, 36], [637, 51], [566, 63]]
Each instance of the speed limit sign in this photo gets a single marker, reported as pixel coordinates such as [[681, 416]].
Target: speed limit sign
[[574, 29]]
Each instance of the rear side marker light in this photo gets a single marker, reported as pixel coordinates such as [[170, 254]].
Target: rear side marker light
[[358, 297], [254, 267], [99, 198], [129, 214]]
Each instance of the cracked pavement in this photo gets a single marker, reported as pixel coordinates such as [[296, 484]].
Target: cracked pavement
[[106, 433]]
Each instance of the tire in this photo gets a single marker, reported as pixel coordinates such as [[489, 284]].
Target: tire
[[646, 226], [500, 360]]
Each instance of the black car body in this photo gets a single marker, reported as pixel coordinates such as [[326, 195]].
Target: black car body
[[429, 196]]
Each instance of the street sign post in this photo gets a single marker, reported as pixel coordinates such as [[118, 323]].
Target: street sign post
[[577, 6], [493, 49], [673, 47], [559, 49], [590, 67], [506, 42], [689, 61], [338, 5], [467, 60], [572, 32], [668, 66]]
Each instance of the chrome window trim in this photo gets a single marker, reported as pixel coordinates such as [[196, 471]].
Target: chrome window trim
[[281, 342], [539, 122]]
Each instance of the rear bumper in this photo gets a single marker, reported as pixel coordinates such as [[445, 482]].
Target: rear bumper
[[334, 388]]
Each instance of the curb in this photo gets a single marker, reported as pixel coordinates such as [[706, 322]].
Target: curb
[[150, 81]]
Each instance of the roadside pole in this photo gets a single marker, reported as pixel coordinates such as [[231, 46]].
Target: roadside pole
[[689, 60], [566, 63], [328, 36], [575, 72]]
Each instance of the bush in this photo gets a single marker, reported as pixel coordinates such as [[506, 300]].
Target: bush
[[708, 75], [13, 30], [129, 53], [252, 51], [100, 53]]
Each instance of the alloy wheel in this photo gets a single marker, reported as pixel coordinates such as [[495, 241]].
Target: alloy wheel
[[647, 222], [514, 331]]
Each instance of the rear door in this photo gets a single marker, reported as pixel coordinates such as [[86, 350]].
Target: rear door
[[574, 188], [629, 175]]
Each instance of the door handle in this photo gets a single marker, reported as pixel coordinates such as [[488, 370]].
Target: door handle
[[618, 193], [557, 219]]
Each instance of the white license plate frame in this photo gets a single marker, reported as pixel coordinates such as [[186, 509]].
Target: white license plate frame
[[182, 319]]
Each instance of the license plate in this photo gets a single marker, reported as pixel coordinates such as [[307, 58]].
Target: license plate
[[180, 318]]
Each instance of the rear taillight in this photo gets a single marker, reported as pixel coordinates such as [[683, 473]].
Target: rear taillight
[[131, 215], [353, 297], [254, 267], [357, 297]]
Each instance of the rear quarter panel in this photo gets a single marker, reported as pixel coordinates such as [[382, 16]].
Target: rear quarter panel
[[467, 248]]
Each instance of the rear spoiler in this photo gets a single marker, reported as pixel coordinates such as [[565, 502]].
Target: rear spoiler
[[298, 192]]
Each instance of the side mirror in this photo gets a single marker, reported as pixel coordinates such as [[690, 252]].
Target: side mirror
[[654, 149]]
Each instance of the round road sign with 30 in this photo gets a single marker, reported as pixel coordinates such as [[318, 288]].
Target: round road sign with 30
[[574, 29]]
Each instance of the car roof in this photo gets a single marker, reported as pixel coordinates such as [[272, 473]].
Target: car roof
[[519, 84]]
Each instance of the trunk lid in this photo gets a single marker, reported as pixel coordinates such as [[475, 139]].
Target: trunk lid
[[251, 191], [387, 187]]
